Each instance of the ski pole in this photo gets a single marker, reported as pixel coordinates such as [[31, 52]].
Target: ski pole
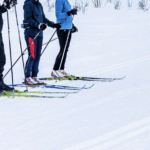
[[10, 51], [48, 42], [20, 46], [66, 44], [21, 55]]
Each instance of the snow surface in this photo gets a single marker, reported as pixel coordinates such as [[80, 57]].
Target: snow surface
[[110, 116]]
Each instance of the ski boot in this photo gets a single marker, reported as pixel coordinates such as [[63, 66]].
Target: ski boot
[[65, 74], [57, 74], [38, 81], [30, 81], [5, 87]]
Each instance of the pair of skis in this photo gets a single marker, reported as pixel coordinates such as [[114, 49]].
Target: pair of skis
[[18, 93]]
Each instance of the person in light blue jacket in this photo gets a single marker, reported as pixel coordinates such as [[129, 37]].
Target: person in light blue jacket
[[64, 16]]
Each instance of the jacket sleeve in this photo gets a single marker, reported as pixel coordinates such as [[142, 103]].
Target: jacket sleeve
[[45, 20], [2, 9], [59, 8], [28, 15]]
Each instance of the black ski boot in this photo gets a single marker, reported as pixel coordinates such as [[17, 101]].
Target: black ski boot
[[5, 87], [1, 90]]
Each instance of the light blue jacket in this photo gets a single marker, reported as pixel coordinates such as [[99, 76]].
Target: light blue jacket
[[61, 9]]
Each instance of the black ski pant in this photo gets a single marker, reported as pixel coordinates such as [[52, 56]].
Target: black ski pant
[[2, 58], [62, 37]]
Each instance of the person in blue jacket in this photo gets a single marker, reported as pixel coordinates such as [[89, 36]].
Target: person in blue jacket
[[36, 22], [64, 16]]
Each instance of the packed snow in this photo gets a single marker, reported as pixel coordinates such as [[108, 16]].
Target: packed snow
[[110, 115]]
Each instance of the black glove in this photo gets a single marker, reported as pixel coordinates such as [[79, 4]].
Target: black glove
[[57, 25], [42, 26], [9, 3], [72, 12], [74, 29]]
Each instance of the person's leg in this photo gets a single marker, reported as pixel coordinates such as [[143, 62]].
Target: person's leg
[[35, 68], [2, 58], [3, 86], [31, 55], [67, 47], [2, 62], [61, 41], [38, 47], [62, 37]]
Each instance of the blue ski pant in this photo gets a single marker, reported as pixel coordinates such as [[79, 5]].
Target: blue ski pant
[[34, 53]]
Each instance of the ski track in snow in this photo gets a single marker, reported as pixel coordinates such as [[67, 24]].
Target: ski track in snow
[[117, 66], [116, 137]]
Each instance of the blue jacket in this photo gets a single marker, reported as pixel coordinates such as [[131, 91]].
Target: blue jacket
[[61, 8], [33, 15]]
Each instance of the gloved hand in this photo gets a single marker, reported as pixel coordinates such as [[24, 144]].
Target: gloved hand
[[57, 25], [74, 29], [72, 12], [9, 3], [42, 26]]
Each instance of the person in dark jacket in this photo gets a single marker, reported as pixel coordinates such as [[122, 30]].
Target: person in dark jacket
[[35, 18], [6, 5], [64, 16]]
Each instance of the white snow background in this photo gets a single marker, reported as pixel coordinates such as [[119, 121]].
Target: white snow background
[[109, 116]]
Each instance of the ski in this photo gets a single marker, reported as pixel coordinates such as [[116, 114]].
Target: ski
[[53, 86], [84, 79], [68, 87], [97, 79], [36, 92], [8, 94]]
